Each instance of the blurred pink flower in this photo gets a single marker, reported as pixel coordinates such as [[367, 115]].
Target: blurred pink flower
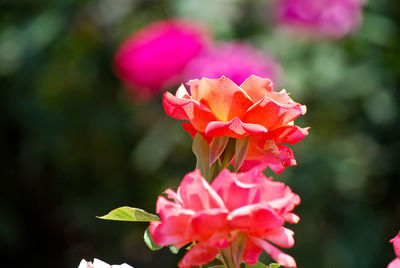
[[239, 214], [396, 245], [235, 60], [153, 58], [333, 18], [101, 264]]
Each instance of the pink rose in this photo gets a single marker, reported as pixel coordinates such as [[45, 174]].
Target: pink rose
[[333, 18], [154, 57], [396, 245], [218, 107], [235, 60], [100, 264], [239, 215]]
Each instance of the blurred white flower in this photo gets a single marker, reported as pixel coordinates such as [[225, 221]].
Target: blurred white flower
[[100, 264]]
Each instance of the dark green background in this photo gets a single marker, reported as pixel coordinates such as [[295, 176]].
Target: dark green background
[[74, 146]]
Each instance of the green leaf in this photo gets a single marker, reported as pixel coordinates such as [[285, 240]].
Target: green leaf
[[129, 214], [217, 266], [174, 249], [201, 149], [241, 147], [149, 241], [274, 265], [261, 265], [217, 146]]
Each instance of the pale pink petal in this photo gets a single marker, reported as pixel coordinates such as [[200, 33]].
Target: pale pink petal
[[174, 196], [287, 202], [234, 191], [164, 206], [207, 222], [291, 218], [396, 244], [394, 264], [225, 99], [197, 194], [199, 254], [174, 230], [280, 236], [256, 87], [254, 217], [233, 128], [275, 253]]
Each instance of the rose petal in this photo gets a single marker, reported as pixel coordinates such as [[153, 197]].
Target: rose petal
[[234, 128], [207, 222], [199, 254], [197, 194], [394, 264], [280, 236], [272, 114], [256, 87], [396, 244], [278, 157], [251, 252], [254, 217], [275, 253], [287, 134], [187, 109], [225, 99], [173, 229]]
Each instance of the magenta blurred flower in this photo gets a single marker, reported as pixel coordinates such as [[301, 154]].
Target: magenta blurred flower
[[332, 18], [396, 245], [236, 61], [153, 58], [100, 264]]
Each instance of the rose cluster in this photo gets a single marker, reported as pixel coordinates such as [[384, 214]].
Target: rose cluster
[[236, 215]]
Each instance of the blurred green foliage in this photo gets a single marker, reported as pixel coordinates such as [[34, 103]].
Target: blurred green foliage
[[75, 145]]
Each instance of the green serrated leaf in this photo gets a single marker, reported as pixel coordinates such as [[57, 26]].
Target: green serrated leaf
[[149, 241], [241, 147], [174, 249], [201, 149], [274, 265], [130, 214], [217, 146]]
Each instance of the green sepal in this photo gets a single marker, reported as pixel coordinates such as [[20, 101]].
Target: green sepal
[[217, 147], [228, 154], [129, 214], [201, 150], [241, 147], [149, 241]]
